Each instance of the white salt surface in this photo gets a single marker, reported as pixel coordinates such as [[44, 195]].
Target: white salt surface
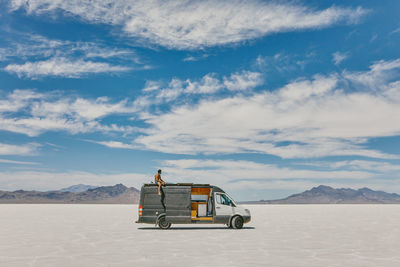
[[106, 235]]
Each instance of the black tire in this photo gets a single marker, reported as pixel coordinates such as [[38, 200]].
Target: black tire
[[163, 224], [237, 222]]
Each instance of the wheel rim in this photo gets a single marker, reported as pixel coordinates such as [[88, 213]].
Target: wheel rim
[[238, 223], [163, 223]]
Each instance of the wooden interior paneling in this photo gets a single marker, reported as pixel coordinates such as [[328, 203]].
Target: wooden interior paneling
[[200, 191]]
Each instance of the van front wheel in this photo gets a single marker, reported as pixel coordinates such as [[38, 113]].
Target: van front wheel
[[163, 224], [237, 222]]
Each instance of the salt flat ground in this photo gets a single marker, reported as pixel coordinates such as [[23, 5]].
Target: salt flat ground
[[278, 235]]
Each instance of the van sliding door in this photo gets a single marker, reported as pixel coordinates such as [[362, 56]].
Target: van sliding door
[[178, 204]]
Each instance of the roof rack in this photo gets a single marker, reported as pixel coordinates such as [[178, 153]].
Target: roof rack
[[178, 184]]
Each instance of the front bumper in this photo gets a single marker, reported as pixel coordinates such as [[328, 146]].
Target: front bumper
[[247, 219]]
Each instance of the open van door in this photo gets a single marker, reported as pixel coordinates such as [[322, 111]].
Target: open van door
[[223, 207], [178, 204]]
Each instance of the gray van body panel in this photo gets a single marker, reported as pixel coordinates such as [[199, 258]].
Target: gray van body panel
[[150, 199], [178, 204]]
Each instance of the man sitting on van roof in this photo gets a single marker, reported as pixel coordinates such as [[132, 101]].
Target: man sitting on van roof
[[159, 181]]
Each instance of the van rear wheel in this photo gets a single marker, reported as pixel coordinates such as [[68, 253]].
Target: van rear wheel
[[163, 224], [237, 222]]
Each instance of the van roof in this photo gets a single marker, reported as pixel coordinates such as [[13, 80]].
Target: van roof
[[182, 184], [214, 188]]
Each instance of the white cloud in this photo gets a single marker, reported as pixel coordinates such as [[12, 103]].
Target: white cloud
[[20, 150], [62, 67], [7, 161], [50, 57], [304, 119], [115, 144], [26, 112], [195, 58], [151, 86], [339, 57], [243, 179], [196, 24], [207, 85], [17, 100], [243, 81], [37, 46], [380, 72], [397, 30], [367, 165], [210, 83], [232, 170]]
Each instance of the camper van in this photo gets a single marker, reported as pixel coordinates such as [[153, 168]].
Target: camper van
[[189, 203]]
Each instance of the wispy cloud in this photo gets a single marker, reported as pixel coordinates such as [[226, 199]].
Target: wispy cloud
[[366, 165], [243, 81], [36, 46], [244, 177], [397, 30], [197, 24], [283, 62], [195, 58], [307, 118], [62, 67], [7, 161], [234, 170], [62, 58], [30, 113], [156, 92], [339, 57], [152, 86], [114, 144], [380, 73], [304, 119], [20, 150]]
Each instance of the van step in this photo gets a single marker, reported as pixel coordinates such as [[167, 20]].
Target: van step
[[202, 219]]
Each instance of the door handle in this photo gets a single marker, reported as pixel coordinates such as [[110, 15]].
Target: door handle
[[217, 207]]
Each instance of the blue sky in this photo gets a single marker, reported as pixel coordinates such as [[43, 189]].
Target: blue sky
[[263, 98]]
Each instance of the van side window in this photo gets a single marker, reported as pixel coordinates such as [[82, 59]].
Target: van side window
[[218, 198], [223, 199]]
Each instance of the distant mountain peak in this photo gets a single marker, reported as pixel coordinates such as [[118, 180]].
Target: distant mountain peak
[[323, 194], [116, 194], [77, 188], [112, 190], [322, 188]]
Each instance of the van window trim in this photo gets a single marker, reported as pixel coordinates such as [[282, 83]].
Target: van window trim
[[230, 198]]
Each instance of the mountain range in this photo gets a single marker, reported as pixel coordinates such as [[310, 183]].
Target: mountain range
[[328, 195], [117, 194], [120, 194]]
